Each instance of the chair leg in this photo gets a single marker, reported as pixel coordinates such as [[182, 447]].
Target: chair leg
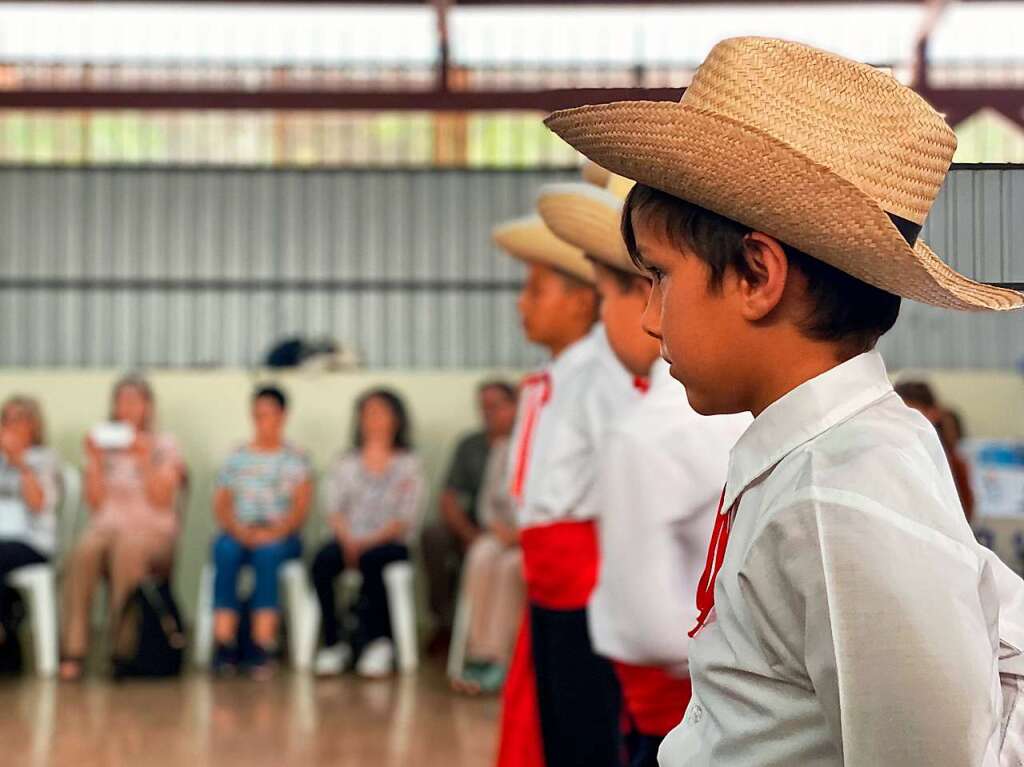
[[297, 615], [460, 631], [42, 597], [203, 643], [398, 579]]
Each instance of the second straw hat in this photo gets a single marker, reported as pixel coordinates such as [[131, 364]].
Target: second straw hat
[[589, 217]]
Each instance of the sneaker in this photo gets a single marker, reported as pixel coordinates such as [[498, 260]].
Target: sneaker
[[377, 660], [225, 660], [260, 665], [331, 661]]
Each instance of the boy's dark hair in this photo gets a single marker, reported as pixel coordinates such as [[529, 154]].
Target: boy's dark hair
[[403, 438], [844, 309], [510, 391], [916, 392], [271, 392]]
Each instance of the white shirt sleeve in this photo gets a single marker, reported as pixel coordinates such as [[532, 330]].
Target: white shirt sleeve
[[652, 555], [899, 657]]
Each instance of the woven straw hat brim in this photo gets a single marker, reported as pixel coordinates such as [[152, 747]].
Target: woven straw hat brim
[[588, 218], [743, 173], [530, 240]]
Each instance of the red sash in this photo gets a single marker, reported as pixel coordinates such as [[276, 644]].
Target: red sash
[[654, 700]]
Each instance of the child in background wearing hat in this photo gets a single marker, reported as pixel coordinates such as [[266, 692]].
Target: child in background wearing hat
[[847, 615], [659, 480], [560, 704]]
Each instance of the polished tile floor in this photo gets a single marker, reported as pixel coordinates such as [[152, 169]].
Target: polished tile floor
[[291, 721]]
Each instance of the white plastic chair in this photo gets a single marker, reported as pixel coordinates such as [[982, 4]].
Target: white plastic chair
[[399, 581], [38, 583], [298, 601]]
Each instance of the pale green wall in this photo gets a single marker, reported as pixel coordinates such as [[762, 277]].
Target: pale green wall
[[208, 413]]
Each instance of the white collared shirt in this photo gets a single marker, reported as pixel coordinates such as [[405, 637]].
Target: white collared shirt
[[856, 621], [660, 478], [589, 388]]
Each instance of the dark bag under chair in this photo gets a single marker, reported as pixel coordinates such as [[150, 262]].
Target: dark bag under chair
[[149, 637], [12, 613]]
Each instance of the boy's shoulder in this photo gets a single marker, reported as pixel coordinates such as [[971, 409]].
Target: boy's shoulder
[[885, 462]]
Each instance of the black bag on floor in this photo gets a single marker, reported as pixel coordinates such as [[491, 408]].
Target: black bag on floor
[[149, 637], [12, 612]]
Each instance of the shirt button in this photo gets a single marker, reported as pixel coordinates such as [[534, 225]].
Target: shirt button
[[698, 714]]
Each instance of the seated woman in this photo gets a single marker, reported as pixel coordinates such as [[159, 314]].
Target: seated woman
[[28, 491], [261, 501], [131, 492], [374, 496], [493, 583]]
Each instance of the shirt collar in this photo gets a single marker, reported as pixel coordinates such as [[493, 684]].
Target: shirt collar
[[578, 351], [808, 411]]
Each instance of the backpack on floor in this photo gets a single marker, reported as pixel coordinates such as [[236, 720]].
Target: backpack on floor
[[12, 612], [149, 637]]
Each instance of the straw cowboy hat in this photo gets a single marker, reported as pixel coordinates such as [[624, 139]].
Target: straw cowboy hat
[[828, 155], [588, 217], [530, 240]]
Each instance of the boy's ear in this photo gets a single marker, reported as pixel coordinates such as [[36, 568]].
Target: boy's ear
[[762, 287]]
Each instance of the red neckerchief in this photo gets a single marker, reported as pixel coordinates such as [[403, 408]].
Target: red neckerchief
[[536, 392], [716, 555], [641, 384]]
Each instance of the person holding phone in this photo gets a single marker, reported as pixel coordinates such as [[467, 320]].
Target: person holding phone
[[132, 477], [261, 502], [28, 490]]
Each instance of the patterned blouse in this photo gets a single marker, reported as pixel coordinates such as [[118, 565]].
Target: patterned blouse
[[370, 501]]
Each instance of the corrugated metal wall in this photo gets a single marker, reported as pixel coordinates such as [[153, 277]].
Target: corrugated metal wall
[[977, 227], [159, 267]]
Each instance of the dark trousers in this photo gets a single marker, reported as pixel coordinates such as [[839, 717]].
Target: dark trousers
[[14, 554], [577, 692], [643, 749], [372, 605]]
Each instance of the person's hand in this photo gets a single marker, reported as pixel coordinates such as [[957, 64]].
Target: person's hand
[[246, 535], [263, 536], [142, 448], [469, 536], [507, 534], [353, 549]]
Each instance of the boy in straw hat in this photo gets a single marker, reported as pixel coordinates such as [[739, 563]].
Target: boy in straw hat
[[560, 698], [846, 615], [659, 479]]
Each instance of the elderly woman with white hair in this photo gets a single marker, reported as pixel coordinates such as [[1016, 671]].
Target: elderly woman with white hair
[[28, 488]]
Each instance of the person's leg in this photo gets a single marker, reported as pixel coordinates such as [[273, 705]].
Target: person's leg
[[375, 621], [440, 548], [508, 595], [14, 555], [134, 556], [577, 692], [327, 566], [228, 557], [267, 561], [84, 571], [479, 577]]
